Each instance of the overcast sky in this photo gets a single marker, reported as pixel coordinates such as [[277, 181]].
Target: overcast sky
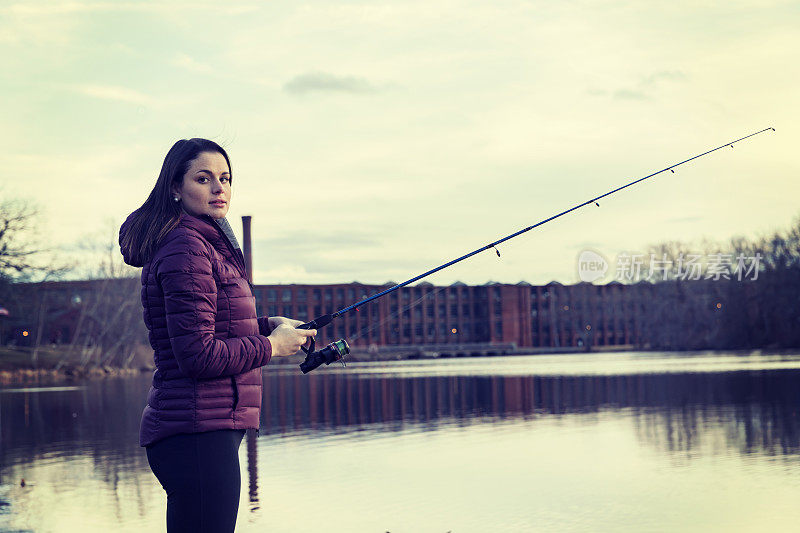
[[373, 140]]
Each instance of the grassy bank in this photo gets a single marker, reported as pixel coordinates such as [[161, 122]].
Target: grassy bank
[[51, 364]]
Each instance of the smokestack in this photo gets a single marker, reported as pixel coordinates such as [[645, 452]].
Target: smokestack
[[252, 449], [247, 247]]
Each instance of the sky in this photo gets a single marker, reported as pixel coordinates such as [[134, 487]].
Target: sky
[[371, 141]]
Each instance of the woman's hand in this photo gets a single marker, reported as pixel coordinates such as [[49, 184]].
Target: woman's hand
[[286, 340], [275, 321]]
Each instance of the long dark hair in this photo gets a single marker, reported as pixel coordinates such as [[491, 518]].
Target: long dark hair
[[160, 214]]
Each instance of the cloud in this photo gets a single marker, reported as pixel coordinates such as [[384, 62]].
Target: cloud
[[114, 92], [189, 63], [316, 243], [643, 89], [629, 94], [60, 8], [327, 255], [664, 75], [322, 81]]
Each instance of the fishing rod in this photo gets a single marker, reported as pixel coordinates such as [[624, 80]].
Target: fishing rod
[[336, 350]]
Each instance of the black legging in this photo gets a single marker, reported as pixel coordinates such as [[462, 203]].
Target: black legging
[[200, 473]]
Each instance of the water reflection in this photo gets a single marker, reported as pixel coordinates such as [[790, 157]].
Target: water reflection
[[759, 407], [79, 445], [68, 442]]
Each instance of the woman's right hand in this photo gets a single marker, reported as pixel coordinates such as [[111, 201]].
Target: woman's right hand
[[287, 340]]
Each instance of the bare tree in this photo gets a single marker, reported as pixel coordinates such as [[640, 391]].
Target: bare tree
[[23, 256], [109, 327], [16, 224]]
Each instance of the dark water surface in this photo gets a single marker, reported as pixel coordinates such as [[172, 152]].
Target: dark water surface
[[596, 442]]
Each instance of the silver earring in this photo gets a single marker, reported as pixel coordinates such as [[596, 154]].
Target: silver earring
[[177, 199]]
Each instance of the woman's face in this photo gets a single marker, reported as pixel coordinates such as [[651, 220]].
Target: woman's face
[[206, 186]]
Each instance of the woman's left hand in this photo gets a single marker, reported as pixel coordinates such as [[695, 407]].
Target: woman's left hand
[[275, 321]]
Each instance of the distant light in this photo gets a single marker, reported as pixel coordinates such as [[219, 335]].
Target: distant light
[[588, 327], [566, 308], [719, 305], [24, 333], [454, 330]]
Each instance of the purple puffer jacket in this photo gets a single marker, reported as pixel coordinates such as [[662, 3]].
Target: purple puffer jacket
[[209, 344]]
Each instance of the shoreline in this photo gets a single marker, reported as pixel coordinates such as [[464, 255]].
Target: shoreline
[[19, 370]]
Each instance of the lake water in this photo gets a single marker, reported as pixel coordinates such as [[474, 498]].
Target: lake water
[[589, 442]]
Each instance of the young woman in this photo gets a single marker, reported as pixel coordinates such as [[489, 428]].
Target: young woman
[[209, 344]]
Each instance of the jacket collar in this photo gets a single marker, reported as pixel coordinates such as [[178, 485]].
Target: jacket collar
[[211, 232]]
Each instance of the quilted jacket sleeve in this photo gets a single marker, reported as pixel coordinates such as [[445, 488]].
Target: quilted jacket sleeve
[[263, 325], [190, 299]]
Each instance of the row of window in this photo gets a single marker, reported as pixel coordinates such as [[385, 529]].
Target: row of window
[[463, 334], [353, 295], [429, 311]]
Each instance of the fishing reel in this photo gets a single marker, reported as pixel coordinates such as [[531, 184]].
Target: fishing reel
[[334, 351]]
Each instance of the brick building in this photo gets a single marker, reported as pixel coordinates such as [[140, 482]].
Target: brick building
[[552, 315]]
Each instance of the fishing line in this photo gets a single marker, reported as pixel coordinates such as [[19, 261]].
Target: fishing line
[[431, 293], [392, 315], [338, 349]]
